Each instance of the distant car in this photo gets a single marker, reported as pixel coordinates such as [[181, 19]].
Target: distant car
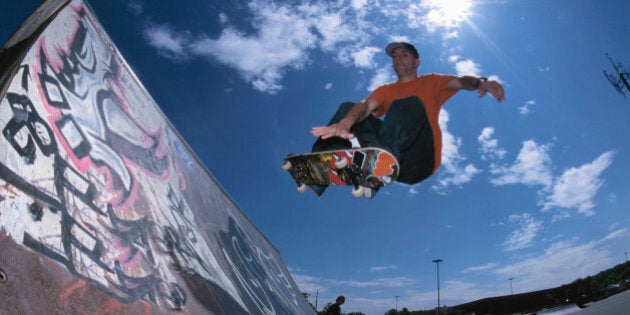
[[611, 289], [614, 288]]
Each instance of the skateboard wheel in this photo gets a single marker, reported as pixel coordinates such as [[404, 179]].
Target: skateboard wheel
[[302, 188], [358, 191], [386, 180], [286, 166], [368, 192], [341, 163]]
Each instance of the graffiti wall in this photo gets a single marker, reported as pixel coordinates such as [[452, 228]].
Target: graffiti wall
[[102, 204]]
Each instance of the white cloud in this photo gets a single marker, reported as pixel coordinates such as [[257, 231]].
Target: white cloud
[[310, 284], [223, 18], [395, 282], [364, 58], [276, 46], [615, 234], [135, 7], [532, 167], [399, 38], [328, 86], [489, 147], [382, 268], [525, 109], [524, 235], [454, 172], [358, 4], [481, 268], [168, 42], [332, 28], [284, 35], [381, 76], [464, 67], [561, 263], [439, 14], [467, 67], [576, 188]]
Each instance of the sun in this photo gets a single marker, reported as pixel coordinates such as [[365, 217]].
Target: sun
[[447, 13]]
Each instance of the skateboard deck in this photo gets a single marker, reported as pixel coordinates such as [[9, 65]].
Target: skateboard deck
[[366, 169]]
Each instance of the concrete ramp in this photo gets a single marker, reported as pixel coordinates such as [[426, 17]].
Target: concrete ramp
[[103, 206]]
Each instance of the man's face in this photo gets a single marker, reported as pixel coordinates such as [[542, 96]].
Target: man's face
[[404, 62]]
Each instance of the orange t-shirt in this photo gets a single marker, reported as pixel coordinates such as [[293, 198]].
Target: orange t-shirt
[[431, 90]]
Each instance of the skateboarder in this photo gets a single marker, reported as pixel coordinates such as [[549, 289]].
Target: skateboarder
[[411, 106], [335, 308]]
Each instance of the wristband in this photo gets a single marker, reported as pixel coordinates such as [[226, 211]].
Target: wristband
[[479, 80]]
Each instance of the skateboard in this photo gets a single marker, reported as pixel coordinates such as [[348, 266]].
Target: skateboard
[[366, 169]]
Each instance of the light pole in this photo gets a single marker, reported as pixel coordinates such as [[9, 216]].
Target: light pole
[[396, 303], [626, 256], [511, 290], [437, 263]]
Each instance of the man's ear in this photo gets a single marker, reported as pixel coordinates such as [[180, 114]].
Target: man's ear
[[417, 62]]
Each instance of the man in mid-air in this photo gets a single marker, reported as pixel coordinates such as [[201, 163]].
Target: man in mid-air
[[410, 107]]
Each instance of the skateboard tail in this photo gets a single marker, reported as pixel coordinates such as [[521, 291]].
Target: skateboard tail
[[385, 165]]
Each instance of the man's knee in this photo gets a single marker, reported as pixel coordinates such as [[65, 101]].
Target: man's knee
[[414, 174], [407, 109]]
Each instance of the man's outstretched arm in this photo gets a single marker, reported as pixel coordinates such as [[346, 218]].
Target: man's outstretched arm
[[482, 85], [357, 113]]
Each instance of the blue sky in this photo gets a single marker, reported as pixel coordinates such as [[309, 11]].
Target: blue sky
[[534, 188]]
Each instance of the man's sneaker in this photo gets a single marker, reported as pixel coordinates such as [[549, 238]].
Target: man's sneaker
[[355, 143]]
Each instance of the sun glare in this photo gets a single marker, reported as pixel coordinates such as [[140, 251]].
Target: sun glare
[[448, 13]]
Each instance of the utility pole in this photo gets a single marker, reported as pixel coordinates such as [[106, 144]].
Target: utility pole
[[437, 262], [620, 79]]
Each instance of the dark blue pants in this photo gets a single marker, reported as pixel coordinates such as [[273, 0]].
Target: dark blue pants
[[405, 132]]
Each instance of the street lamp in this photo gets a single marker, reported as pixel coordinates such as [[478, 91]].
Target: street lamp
[[396, 303], [437, 263], [511, 290]]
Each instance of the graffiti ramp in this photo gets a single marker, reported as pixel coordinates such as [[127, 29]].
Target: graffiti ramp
[[103, 206]]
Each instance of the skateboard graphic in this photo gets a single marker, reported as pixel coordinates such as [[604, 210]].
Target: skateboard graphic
[[367, 169]]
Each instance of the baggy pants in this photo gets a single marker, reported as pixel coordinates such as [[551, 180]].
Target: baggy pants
[[405, 132]]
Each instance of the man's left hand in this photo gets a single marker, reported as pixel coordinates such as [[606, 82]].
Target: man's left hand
[[493, 87]]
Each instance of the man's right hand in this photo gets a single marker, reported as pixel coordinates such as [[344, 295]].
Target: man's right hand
[[358, 112], [334, 130]]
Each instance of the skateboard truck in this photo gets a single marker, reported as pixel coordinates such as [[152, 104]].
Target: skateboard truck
[[364, 184], [298, 172]]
